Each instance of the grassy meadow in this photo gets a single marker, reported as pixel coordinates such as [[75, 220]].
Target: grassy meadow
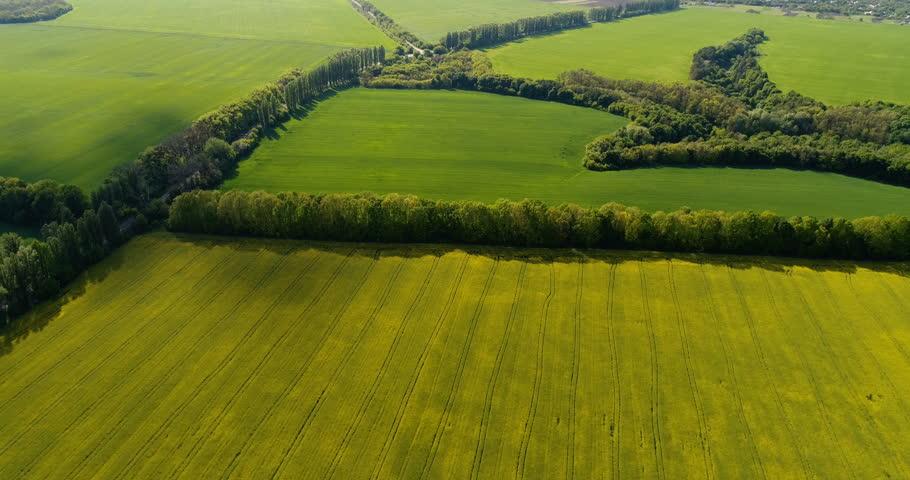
[[210, 358], [475, 146], [836, 61], [432, 19], [92, 89]]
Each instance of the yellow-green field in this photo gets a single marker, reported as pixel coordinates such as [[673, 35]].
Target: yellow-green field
[[192, 357]]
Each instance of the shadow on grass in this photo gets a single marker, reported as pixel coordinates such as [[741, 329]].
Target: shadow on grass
[[276, 132], [17, 329]]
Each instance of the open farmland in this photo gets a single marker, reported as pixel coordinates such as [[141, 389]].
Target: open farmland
[[209, 358], [833, 61], [91, 90], [474, 146]]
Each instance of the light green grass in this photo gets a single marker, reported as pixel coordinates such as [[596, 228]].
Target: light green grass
[[92, 89], [432, 19], [474, 146], [190, 357], [833, 61]]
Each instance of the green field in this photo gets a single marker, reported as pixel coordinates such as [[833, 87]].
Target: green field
[[833, 61], [474, 146], [210, 358], [92, 89], [432, 19]]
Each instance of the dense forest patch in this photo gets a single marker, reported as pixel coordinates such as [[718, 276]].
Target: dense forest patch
[[26, 11]]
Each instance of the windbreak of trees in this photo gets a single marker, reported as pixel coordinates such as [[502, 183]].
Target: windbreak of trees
[[401, 218], [27, 11], [35, 270], [386, 23], [40, 203], [207, 150], [496, 33], [632, 148]]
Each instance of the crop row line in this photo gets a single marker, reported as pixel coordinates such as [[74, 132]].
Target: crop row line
[[345, 359], [159, 384], [235, 395], [756, 342], [731, 372], [421, 363], [522, 459], [178, 410], [703, 434], [383, 370], [459, 372], [494, 378], [229, 469], [655, 374]]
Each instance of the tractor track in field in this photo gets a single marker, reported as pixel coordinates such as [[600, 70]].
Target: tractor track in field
[[235, 395], [731, 371], [524, 445], [615, 430], [406, 400], [172, 416], [845, 381], [655, 375], [229, 469], [756, 342], [459, 372], [813, 382], [88, 342], [108, 435], [704, 437], [110, 294], [494, 378], [345, 359], [885, 329], [576, 361], [122, 378], [855, 335], [383, 370]]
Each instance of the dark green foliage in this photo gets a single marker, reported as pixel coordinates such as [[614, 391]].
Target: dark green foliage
[[39, 203], [400, 218], [35, 270], [496, 33], [26, 11], [890, 164], [205, 152], [387, 24]]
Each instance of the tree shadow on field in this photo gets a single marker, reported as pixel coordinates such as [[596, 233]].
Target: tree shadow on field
[[276, 132], [35, 320], [545, 255]]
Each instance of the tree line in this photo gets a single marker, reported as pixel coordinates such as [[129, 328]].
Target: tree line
[[27, 11], [404, 218], [78, 232], [206, 151], [34, 270], [496, 33], [385, 23], [40, 203]]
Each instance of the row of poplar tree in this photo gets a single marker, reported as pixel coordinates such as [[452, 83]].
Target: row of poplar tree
[[496, 33]]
